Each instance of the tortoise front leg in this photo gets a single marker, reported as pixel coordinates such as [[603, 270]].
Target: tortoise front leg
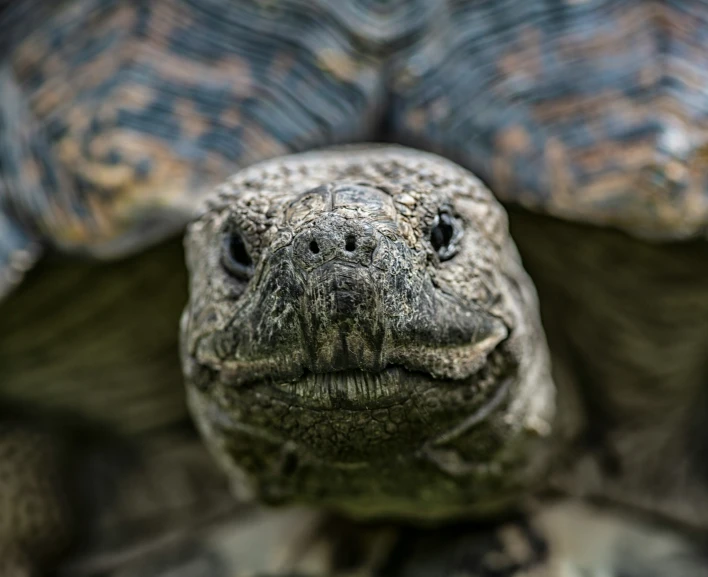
[[565, 538], [35, 519]]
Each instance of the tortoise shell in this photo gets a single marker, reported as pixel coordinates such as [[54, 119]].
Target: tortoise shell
[[116, 117]]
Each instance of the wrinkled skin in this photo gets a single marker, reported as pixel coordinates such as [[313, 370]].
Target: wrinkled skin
[[361, 335]]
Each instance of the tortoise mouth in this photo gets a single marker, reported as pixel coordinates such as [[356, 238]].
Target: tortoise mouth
[[352, 389], [361, 390]]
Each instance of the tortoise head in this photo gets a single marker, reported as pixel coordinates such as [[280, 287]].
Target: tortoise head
[[361, 335]]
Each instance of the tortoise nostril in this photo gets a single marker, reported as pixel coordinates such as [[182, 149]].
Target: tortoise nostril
[[327, 243]]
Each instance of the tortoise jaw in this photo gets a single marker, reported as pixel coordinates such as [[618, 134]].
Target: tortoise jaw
[[358, 441]]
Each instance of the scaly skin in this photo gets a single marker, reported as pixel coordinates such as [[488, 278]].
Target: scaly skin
[[336, 353]]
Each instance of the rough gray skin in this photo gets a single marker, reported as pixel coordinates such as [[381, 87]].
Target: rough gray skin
[[361, 335]]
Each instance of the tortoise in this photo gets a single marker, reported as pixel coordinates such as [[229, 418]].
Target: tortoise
[[360, 335]]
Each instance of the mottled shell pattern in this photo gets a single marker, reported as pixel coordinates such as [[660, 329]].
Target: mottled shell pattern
[[117, 117]]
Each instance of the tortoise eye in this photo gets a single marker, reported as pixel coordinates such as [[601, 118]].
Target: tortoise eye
[[443, 236], [235, 257]]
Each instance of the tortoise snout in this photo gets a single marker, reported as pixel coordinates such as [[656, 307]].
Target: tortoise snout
[[332, 238]]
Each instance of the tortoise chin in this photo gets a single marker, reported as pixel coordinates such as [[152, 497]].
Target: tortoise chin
[[389, 443], [354, 343]]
